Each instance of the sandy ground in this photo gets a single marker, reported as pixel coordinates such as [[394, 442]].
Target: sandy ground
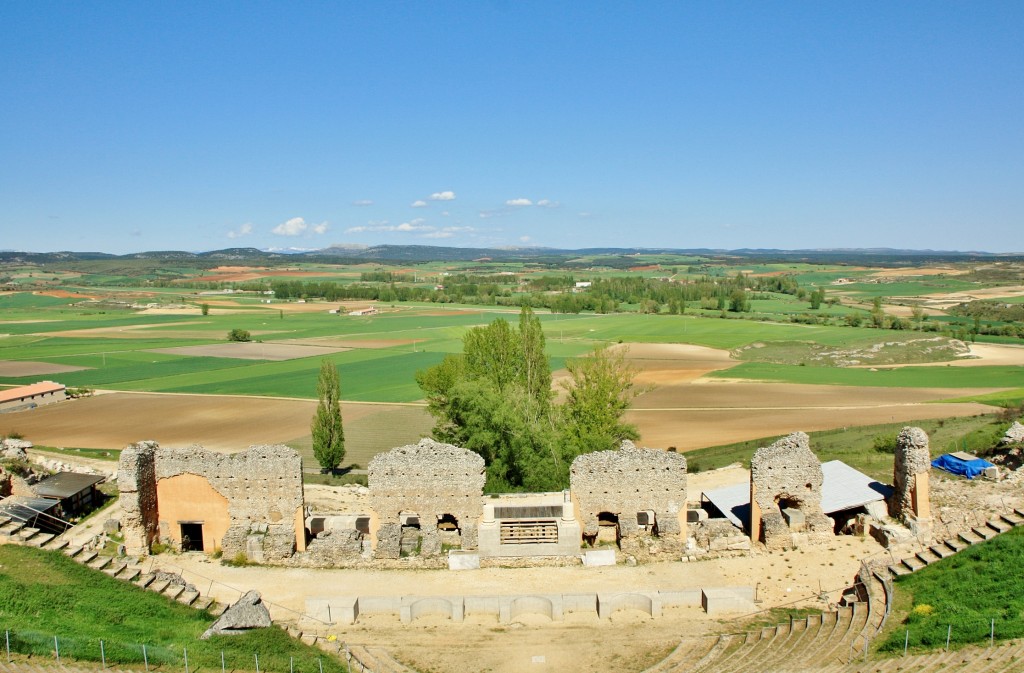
[[577, 644], [14, 368], [253, 351]]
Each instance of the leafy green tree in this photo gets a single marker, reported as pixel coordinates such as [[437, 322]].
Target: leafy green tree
[[496, 399], [536, 370], [327, 429], [816, 297], [599, 390], [204, 309], [738, 301], [239, 335]]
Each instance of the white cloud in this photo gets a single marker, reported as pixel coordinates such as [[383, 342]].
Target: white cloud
[[418, 224], [487, 214], [418, 203], [298, 226], [525, 239], [518, 203], [443, 196], [243, 230], [438, 234], [548, 203], [362, 202], [455, 229]]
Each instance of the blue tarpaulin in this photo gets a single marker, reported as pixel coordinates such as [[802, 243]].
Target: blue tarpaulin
[[966, 468]]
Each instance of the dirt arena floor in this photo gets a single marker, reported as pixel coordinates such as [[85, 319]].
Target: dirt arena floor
[[629, 641], [14, 368]]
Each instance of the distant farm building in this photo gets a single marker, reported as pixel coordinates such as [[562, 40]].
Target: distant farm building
[[27, 397], [364, 311]]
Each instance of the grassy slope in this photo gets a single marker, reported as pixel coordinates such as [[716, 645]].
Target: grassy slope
[[968, 591], [43, 594]]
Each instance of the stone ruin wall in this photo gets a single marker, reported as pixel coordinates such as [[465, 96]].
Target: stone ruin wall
[[630, 480], [262, 486], [136, 483], [911, 468], [787, 469], [431, 479]]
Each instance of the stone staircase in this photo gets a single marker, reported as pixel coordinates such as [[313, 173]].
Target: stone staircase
[[929, 554], [835, 641]]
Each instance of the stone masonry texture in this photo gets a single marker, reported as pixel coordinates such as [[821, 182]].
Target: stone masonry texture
[[788, 471], [913, 457], [431, 479], [627, 481], [262, 485]]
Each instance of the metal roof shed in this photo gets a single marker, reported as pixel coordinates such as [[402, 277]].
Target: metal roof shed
[[843, 488], [75, 491]]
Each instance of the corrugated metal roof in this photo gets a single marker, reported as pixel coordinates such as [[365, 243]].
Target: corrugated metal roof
[[66, 484], [23, 508], [844, 488]]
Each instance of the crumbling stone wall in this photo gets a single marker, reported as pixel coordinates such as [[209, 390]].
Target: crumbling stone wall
[[787, 473], [911, 467], [627, 481], [1014, 434], [431, 479], [262, 487], [136, 483]]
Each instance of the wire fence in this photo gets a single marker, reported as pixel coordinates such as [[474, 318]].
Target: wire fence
[[155, 657]]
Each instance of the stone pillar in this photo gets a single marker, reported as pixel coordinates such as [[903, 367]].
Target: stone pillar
[[755, 513], [136, 483], [910, 499]]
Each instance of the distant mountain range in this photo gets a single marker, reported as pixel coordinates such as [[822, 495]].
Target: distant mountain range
[[427, 253]]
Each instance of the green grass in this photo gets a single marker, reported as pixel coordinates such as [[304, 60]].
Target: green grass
[[855, 446], [966, 591], [43, 594], [95, 454], [1004, 398], [906, 377]]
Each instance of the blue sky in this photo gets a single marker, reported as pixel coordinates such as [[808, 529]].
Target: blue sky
[[197, 126]]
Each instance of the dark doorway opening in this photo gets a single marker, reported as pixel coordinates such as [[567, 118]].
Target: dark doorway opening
[[191, 537]]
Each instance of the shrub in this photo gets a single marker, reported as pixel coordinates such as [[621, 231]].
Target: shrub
[[884, 444], [239, 335]]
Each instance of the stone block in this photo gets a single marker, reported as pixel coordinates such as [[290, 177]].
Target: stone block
[[696, 515], [725, 601], [463, 560], [599, 557]]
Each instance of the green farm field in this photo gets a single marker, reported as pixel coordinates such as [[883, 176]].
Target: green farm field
[[378, 356]]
